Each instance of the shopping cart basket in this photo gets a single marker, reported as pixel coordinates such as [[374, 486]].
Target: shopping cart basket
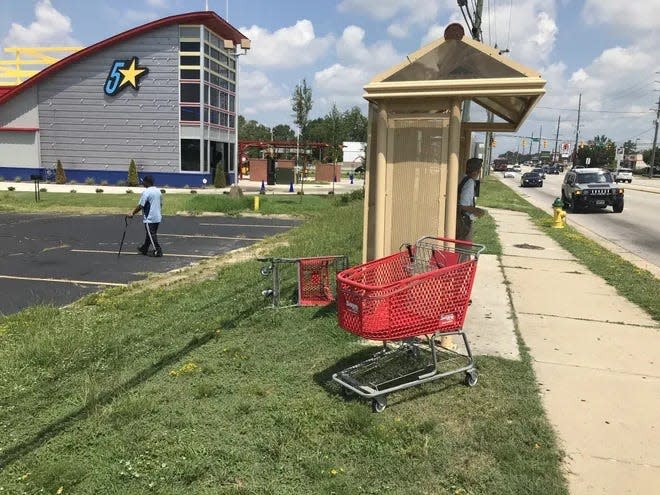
[[310, 278], [410, 300]]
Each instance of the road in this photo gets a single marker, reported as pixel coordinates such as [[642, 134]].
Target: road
[[634, 233]]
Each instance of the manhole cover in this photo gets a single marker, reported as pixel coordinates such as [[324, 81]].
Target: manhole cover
[[527, 246]]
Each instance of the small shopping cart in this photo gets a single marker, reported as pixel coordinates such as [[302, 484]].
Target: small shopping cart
[[410, 301], [310, 280]]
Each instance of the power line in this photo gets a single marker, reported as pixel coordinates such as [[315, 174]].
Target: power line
[[595, 111]]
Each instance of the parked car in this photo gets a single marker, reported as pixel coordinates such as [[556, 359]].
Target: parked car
[[531, 179], [591, 188], [623, 175]]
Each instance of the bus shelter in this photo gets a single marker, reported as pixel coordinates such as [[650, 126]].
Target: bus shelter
[[418, 142]]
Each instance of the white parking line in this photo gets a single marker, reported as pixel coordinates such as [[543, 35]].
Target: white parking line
[[248, 225], [212, 237], [63, 281], [137, 254]]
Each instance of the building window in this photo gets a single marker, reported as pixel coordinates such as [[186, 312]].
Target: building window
[[190, 93], [190, 155], [189, 32], [189, 60], [189, 114], [189, 74], [189, 46]]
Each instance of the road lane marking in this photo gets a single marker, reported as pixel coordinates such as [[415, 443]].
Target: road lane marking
[[137, 254], [63, 281], [248, 225], [188, 236]]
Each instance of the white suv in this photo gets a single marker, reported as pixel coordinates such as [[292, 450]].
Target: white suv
[[623, 175]]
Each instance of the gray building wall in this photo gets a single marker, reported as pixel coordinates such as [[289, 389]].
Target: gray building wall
[[20, 111], [86, 129]]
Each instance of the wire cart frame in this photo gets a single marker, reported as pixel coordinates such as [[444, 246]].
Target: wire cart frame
[[314, 284], [409, 301]]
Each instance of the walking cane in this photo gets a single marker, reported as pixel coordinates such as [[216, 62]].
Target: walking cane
[[121, 244]]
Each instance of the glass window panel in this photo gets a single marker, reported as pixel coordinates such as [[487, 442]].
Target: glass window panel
[[232, 99], [189, 60], [224, 100], [189, 46], [231, 121], [190, 155], [224, 119], [215, 54], [190, 114], [189, 32], [215, 117], [189, 74], [190, 93], [214, 97]]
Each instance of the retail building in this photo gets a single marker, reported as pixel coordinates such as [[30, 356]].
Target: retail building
[[163, 94]]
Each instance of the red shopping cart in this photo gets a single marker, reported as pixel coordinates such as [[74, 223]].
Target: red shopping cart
[[312, 280], [408, 300]]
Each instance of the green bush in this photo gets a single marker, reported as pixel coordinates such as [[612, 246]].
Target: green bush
[[104, 182], [11, 188], [73, 191], [90, 181], [43, 189], [17, 178], [129, 191], [99, 190], [133, 179], [60, 176], [220, 179]]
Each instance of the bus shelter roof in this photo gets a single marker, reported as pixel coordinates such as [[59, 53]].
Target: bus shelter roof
[[456, 66]]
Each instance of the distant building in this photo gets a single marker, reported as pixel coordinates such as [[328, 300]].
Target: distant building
[[163, 94], [354, 152], [635, 161]]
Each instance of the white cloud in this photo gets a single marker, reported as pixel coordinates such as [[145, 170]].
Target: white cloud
[[288, 47], [50, 28], [410, 15], [157, 3], [259, 94], [629, 16], [351, 51]]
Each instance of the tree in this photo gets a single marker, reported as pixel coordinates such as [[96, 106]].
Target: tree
[[301, 104], [132, 175], [334, 125], [251, 130], [629, 147], [601, 150], [646, 156], [283, 132], [355, 125], [60, 176]]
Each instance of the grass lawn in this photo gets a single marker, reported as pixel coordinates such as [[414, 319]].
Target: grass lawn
[[200, 388]]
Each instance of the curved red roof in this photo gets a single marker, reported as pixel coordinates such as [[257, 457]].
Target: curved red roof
[[210, 19]]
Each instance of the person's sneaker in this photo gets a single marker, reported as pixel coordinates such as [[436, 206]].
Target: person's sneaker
[[142, 251], [156, 254]]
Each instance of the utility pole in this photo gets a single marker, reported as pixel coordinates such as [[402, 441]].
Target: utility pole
[[538, 149], [531, 140], [655, 140], [555, 156], [577, 132]]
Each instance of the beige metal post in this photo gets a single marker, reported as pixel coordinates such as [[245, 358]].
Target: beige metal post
[[452, 168], [380, 170]]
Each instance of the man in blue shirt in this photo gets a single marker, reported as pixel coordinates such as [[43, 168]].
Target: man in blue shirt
[[150, 204]]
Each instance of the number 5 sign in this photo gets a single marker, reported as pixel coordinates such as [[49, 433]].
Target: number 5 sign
[[119, 76]]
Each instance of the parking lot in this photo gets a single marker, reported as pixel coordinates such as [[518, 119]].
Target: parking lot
[[56, 259]]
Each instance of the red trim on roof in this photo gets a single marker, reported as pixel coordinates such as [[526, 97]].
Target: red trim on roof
[[210, 19], [19, 129]]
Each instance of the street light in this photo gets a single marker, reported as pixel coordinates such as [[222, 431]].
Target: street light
[[237, 51]]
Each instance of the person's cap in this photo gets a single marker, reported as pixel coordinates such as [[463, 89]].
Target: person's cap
[[473, 164]]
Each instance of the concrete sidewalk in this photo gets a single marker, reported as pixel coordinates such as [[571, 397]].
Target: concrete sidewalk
[[595, 356]]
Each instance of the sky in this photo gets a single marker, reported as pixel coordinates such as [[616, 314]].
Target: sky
[[606, 50]]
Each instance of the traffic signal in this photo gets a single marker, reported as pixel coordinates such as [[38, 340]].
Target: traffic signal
[[545, 143], [524, 142], [492, 142]]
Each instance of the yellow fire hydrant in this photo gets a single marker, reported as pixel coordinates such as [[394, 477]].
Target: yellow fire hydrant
[[559, 216]]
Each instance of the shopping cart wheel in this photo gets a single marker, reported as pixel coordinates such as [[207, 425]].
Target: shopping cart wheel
[[378, 404], [266, 270], [471, 378]]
